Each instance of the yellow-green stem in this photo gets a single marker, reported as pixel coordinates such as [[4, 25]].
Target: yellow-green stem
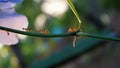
[[74, 11]]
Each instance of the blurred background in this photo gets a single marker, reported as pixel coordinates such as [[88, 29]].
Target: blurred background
[[98, 17]]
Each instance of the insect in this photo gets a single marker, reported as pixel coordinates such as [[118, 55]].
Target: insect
[[44, 31], [70, 30], [75, 29], [29, 29], [7, 32]]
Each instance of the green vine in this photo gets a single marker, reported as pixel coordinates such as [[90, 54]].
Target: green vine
[[77, 33]]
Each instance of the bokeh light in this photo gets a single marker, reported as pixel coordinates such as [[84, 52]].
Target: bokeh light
[[40, 21], [54, 8]]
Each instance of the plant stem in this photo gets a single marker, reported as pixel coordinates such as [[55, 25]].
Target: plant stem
[[97, 36], [77, 33], [75, 12], [37, 34]]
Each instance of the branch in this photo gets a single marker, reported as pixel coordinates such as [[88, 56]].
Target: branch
[[77, 33], [98, 36], [37, 34]]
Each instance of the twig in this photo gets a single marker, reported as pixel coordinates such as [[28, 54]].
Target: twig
[[77, 33]]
